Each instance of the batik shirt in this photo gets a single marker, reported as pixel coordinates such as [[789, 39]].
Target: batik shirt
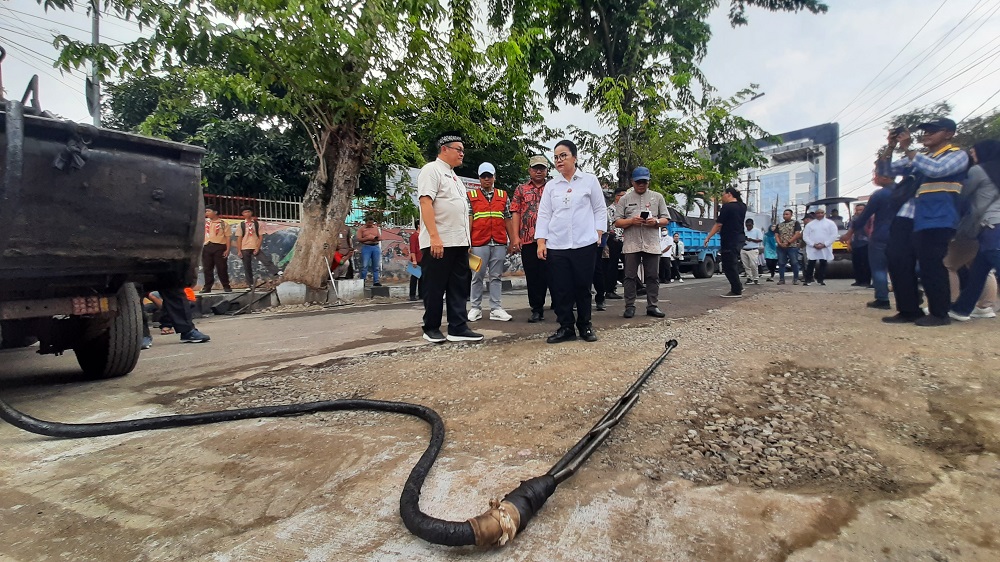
[[525, 203]]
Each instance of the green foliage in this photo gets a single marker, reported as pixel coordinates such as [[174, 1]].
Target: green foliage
[[638, 58], [970, 131], [249, 154]]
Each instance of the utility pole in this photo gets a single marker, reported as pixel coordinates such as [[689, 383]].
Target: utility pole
[[94, 83], [751, 193]]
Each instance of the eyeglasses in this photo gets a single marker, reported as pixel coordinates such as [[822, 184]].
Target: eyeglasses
[[561, 156], [458, 150]]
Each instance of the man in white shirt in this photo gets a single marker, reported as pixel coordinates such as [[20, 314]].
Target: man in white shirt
[[819, 235], [572, 217], [666, 254], [444, 242], [751, 252]]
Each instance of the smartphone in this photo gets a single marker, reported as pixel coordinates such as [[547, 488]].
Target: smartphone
[[644, 215]]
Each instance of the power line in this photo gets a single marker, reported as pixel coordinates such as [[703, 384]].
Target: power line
[[927, 75], [922, 56], [883, 69], [66, 25], [995, 54], [27, 53], [966, 118]]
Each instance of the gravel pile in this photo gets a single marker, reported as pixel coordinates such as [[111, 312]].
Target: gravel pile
[[791, 439]]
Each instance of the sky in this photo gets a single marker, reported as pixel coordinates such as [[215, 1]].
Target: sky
[[857, 65]]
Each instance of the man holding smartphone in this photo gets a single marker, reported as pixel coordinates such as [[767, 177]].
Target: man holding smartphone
[[640, 213]]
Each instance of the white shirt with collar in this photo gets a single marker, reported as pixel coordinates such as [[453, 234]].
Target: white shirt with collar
[[571, 212], [439, 181], [754, 233]]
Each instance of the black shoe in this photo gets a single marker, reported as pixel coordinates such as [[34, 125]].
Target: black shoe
[[822, 283], [602, 306], [613, 296], [434, 336], [930, 320], [654, 311], [883, 305], [536, 317], [732, 295], [467, 335], [856, 284], [588, 335], [629, 312], [561, 335], [805, 283], [413, 299], [901, 318], [376, 284]]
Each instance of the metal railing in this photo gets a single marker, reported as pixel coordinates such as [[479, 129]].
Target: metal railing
[[229, 206]]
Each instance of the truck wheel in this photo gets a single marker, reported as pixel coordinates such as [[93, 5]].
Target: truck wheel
[[115, 352], [705, 269], [14, 334]]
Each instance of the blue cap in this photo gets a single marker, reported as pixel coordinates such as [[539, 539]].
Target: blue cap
[[640, 173]]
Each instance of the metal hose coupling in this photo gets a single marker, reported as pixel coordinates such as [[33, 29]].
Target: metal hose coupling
[[505, 518]]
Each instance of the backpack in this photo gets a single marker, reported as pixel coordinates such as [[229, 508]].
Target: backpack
[[243, 227]]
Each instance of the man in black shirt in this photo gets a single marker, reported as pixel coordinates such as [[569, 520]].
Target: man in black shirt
[[729, 225]]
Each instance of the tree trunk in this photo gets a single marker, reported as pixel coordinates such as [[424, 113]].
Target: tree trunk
[[325, 206]]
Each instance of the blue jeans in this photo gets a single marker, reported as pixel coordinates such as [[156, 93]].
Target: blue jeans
[[879, 264], [785, 255], [987, 259], [371, 257]]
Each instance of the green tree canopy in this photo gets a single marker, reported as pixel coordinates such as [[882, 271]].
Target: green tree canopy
[[637, 59]]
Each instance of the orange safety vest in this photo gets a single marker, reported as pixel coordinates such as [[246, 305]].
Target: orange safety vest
[[487, 217]]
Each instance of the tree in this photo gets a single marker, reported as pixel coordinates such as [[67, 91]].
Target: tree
[[343, 70], [638, 57], [969, 131], [248, 153]]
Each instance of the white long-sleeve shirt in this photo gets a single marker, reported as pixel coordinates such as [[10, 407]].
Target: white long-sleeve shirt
[[820, 232], [571, 212]]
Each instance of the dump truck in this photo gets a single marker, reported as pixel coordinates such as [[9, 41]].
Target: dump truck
[[89, 217]]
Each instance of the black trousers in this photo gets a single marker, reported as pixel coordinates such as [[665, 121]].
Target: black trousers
[[932, 245], [611, 268], [449, 277], [213, 261], [859, 259], [665, 270], [599, 275], [265, 260], [731, 268], [176, 307], [901, 254], [416, 286], [675, 269], [816, 272], [772, 265], [535, 276], [571, 273]]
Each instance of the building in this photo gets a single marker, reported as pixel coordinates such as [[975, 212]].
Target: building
[[802, 168]]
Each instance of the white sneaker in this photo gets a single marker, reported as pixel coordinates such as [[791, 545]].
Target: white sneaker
[[500, 314], [956, 316], [987, 312], [680, 280], [475, 314]]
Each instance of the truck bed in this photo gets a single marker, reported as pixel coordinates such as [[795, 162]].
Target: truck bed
[[131, 211]]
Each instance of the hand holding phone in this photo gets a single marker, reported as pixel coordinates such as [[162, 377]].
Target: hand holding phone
[[644, 215]]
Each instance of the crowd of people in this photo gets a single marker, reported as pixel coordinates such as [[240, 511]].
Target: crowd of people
[[932, 227], [569, 236]]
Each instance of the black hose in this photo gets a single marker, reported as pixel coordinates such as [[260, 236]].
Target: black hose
[[495, 527], [429, 528]]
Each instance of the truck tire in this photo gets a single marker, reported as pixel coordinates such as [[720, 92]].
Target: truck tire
[[14, 334], [115, 352], [705, 268]]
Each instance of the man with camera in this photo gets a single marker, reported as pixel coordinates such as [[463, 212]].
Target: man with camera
[[932, 204], [640, 214]]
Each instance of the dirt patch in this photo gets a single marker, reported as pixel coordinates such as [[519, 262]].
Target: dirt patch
[[791, 425]]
